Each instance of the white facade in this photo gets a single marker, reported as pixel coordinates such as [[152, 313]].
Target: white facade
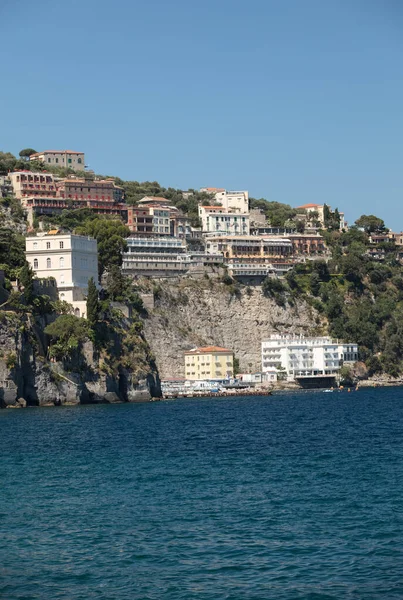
[[305, 356], [232, 201], [70, 259], [216, 219], [68, 159]]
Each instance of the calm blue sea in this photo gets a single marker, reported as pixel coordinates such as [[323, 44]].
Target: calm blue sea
[[285, 497]]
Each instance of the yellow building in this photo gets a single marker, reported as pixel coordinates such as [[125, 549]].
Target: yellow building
[[210, 362]]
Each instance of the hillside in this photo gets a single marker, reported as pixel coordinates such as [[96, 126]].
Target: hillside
[[357, 296]]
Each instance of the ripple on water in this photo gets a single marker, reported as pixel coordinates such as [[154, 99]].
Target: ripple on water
[[299, 496]]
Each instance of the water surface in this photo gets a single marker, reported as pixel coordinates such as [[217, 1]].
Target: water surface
[[288, 497]]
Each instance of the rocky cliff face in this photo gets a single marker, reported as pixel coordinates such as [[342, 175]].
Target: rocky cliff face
[[26, 374], [202, 312]]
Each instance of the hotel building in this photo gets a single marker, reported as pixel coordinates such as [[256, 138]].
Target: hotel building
[[71, 260], [210, 362], [299, 356], [68, 159]]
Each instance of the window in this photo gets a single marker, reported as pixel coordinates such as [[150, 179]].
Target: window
[[47, 245], [35, 263], [79, 161], [48, 263], [56, 160], [69, 160], [61, 261], [48, 160], [35, 245], [61, 245]]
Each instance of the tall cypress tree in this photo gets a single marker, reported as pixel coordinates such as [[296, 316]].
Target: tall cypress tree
[[92, 303], [27, 281]]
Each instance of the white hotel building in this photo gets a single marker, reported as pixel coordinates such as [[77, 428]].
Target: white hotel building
[[71, 260], [299, 356]]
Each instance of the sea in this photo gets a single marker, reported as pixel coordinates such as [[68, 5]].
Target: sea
[[290, 496]]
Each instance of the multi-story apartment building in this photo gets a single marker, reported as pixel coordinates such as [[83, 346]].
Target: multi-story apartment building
[[27, 184], [163, 257], [251, 255], [149, 219], [303, 244], [68, 159], [210, 362], [71, 260], [155, 216], [6, 188], [217, 219], [43, 193], [316, 213], [140, 220], [82, 188], [231, 201], [299, 356]]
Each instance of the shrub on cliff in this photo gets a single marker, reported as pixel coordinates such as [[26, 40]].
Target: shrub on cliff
[[67, 334]]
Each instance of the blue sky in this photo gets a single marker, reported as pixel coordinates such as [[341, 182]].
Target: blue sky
[[295, 100]]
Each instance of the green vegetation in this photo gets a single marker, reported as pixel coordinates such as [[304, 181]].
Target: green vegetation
[[92, 304], [67, 334], [371, 224], [110, 235], [361, 298], [276, 213]]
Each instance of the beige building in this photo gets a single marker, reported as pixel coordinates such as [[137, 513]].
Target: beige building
[[71, 260], [210, 362], [27, 184], [311, 210], [43, 193], [68, 159]]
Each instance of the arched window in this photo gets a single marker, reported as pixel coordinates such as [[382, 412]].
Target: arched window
[[77, 312], [61, 261], [35, 263], [48, 263]]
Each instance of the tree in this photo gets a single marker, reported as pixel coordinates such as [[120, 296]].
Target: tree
[[346, 375], [331, 219], [27, 281], [12, 249], [315, 284], [68, 332], [272, 286], [115, 284], [111, 236], [7, 162], [26, 153], [371, 224], [92, 304]]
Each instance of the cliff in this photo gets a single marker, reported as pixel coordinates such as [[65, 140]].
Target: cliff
[[189, 313], [123, 373]]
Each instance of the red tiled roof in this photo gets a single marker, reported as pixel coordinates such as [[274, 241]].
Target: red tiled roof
[[309, 205]]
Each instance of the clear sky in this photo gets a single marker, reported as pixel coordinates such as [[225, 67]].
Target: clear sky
[[295, 100]]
